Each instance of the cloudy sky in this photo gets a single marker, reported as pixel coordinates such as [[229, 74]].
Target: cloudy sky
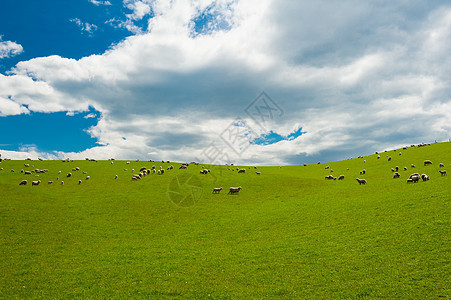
[[244, 81]]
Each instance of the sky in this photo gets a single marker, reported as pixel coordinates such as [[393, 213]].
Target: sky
[[232, 81]]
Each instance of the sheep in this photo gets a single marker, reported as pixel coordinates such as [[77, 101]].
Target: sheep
[[329, 177], [326, 167], [396, 168], [441, 165], [128, 163], [27, 172], [341, 177], [409, 180], [79, 181], [412, 165], [443, 173], [35, 182], [427, 162], [364, 161], [361, 181], [59, 172], [26, 165], [23, 182], [217, 190], [331, 170], [396, 175], [258, 173], [57, 178], [424, 177], [242, 171], [115, 177], [161, 172], [62, 182], [85, 172], [362, 172], [234, 190], [405, 168], [12, 170], [77, 169], [392, 169], [378, 156], [69, 175], [415, 178], [88, 177], [135, 177], [389, 158], [50, 182]]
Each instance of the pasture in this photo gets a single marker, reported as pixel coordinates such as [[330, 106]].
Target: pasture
[[289, 233]]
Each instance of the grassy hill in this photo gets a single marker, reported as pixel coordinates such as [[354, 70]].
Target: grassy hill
[[289, 233]]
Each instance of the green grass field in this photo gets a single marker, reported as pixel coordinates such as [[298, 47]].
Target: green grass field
[[289, 233]]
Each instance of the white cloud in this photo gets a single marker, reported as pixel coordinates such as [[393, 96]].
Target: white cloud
[[9, 49], [98, 3], [85, 26], [356, 82]]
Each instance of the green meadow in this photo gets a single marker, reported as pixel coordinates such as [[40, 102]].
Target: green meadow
[[288, 234]]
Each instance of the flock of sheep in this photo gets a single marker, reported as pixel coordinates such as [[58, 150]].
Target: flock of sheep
[[413, 178]]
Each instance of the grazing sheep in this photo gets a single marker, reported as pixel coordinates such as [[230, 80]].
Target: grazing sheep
[[329, 177], [234, 190], [396, 168], [412, 165], [79, 181], [161, 172], [396, 175], [405, 168], [424, 177], [12, 170], [242, 171], [409, 180], [50, 182], [392, 169], [415, 178], [59, 172], [441, 165], [341, 177], [389, 158], [378, 156], [35, 182], [27, 172], [128, 163], [23, 182], [57, 178], [217, 190], [326, 167], [115, 177], [62, 182], [443, 173], [135, 177], [427, 162], [26, 165], [362, 172], [361, 181], [364, 161], [87, 177], [85, 172], [77, 169], [258, 173], [69, 175]]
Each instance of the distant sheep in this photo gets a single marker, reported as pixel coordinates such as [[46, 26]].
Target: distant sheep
[[35, 182], [443, 173], [234, 190], [405, 168], [396, 168], [396, 175], [389, 158], [217, 190], [50, 182], [424, 177], [242, 171], [69, 175], [23, 182], [427, 162], [329, 177], [62, 182], [441, 165], [258, 173], [415, 177], [341, 177], [362, 172], [361, 181], [115, 177], [412, 165], [79, 181], [88, 177], [27, 172], [378, 156]]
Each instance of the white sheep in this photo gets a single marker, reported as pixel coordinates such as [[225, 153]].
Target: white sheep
[[424, 177], [69, 175], [443, 173], [88, 177], [441, 165], [23, 182], [242, 171], [79, 181], [361, 181], [62, 182], [427, 162], [412, 165], [405, 168], [217, 190], [258, 173], [115, 177], [50, 182], [35, 182], [234, 190], [396, 175], [329, 177], [341, 177], [389, 158]]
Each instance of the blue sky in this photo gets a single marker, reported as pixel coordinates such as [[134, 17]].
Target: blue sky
[[164, 80]]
